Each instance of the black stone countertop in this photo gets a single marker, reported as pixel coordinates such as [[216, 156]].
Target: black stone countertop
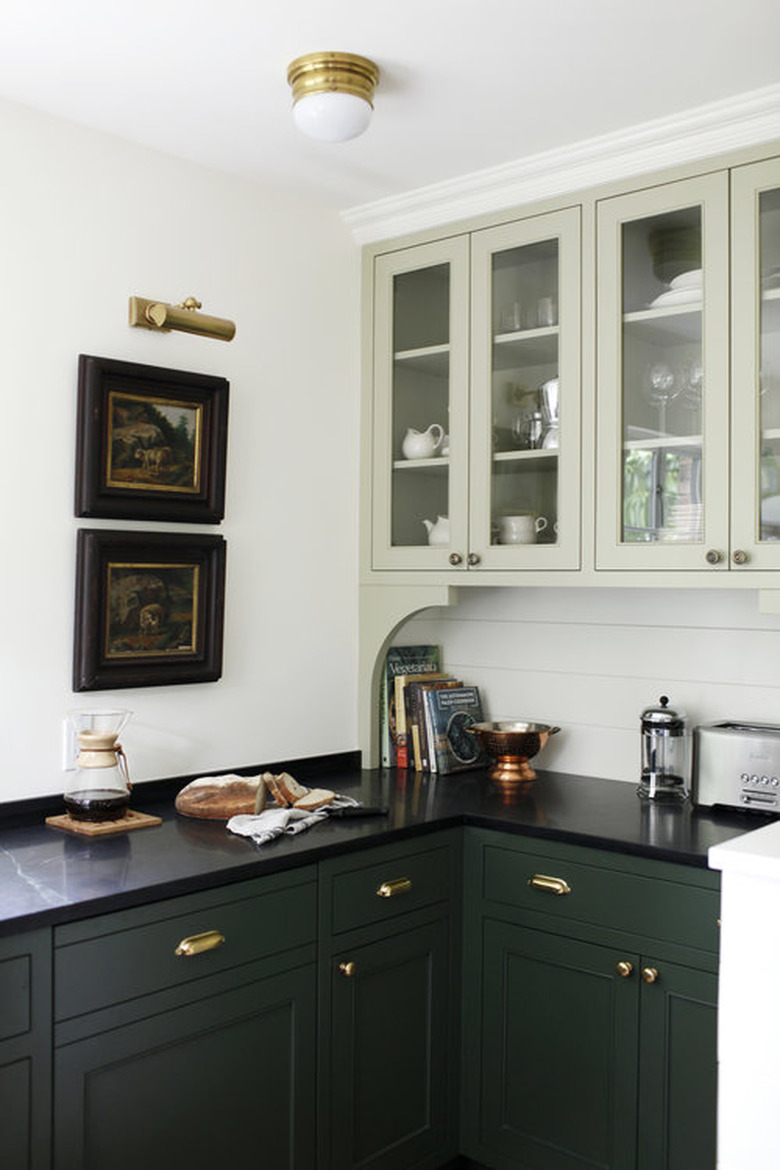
[[47, 876]]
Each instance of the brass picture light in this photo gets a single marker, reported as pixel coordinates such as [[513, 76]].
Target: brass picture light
[[185, 318]]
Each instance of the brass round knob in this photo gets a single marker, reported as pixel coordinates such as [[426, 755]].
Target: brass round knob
[[473, 558], [713, 556], [624, 968], [739, 556], [347, 969], [456, 559], [650, 974]]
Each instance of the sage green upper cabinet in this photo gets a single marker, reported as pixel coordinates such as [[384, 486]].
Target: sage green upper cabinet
[[476, 400], [756, 364], [525, 394], [663, 377], [421, 395]]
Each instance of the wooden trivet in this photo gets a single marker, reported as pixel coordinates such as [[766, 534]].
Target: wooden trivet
[[131, 820]]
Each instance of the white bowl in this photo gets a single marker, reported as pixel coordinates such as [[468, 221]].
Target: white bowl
[[692, 279]]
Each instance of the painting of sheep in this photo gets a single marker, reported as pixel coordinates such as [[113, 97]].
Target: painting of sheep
[[153, 443]]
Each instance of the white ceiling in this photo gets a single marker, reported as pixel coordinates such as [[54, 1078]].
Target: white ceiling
[[466, 84]]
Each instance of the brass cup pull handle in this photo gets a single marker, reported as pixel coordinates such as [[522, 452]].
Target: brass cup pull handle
[[392, 888], [624, 969], [347, 969], [552, 885], [650, 974], [196, 944]]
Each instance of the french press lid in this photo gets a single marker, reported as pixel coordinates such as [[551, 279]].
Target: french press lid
[[663, 718]]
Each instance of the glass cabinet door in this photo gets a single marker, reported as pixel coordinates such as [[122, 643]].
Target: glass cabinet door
[[662, 379], [756, 366], [420, 476], [525, 394]]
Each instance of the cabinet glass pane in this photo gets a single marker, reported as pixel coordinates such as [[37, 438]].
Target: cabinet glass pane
[[662, 378], [421, 398], [769, 351], [525, 395]]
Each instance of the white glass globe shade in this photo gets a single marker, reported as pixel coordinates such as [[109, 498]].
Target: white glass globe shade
[[332, 117]]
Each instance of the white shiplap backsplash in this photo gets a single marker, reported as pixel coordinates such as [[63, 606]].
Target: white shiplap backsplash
[[590, 660]]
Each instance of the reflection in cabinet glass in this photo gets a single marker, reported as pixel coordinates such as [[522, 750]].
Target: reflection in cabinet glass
[[769, 363], [662, 378], [662, 381]]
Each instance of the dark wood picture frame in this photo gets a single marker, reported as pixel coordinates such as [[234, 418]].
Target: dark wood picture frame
[[151, 442], [149, 609]]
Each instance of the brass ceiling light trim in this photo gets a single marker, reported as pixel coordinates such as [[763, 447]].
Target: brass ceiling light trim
[[184, 318], [317, 78]]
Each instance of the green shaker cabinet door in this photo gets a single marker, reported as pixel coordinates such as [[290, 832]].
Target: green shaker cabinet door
[[678, 1069], [389, 1056], [25, 1051], [224, 1082], [560, 1036]]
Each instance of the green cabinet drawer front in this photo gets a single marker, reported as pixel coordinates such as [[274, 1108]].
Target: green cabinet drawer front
[[653, 908], [389, 882], [560, 1052], [227, 1082], [389, 1077], [127, 955], [15, 988]]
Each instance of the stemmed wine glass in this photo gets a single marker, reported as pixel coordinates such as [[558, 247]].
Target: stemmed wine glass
[[660, 388]]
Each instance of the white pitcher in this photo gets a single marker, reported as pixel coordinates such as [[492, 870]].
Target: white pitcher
[[438, 533], [422, 444]]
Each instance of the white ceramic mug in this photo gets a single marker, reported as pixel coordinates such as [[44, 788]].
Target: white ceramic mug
[[521, 529]]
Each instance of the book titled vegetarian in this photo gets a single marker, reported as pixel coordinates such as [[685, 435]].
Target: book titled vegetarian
[[449, 712], [400, 660]]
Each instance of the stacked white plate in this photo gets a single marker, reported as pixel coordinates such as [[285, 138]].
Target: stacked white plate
[[685, 289]]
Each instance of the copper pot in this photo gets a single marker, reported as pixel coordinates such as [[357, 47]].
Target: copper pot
[[512, 743]]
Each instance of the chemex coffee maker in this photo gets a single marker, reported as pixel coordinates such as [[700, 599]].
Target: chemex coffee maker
[[99, 788]]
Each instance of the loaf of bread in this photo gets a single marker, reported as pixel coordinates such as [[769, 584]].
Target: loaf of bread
[[218, 798]]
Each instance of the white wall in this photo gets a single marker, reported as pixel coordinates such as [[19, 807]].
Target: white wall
[[589, 660], [85, 221]]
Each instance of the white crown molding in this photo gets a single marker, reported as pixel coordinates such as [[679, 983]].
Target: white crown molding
[[745, 120]]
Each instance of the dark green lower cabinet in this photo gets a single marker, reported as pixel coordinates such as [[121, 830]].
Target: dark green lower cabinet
[[25, 1051], [678, 1078], [560, 1052], [389, 1074], [223, 1082]]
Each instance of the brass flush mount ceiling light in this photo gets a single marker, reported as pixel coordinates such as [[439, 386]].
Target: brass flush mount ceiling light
[[332, 94]]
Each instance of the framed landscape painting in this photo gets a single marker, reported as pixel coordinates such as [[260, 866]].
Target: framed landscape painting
[[151, 442], [149, 609]]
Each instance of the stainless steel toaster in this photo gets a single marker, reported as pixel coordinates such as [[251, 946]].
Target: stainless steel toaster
[[737, 765]]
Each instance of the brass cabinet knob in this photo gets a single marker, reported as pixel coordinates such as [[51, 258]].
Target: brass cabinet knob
[[347, 969], [196, 944], [624, 968], [456, 559], [650, 974], [739, 556], [394, 887], [713, 556], [552, 885], [473, 558]]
